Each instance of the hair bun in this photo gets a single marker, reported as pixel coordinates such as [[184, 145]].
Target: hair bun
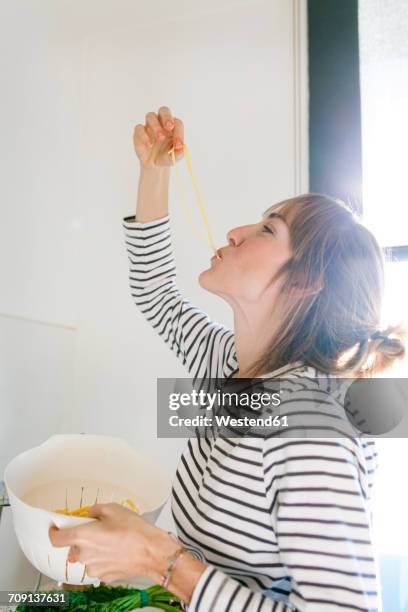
[[378, 335]]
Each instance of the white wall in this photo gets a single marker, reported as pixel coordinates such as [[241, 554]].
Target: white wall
[[77, 76]]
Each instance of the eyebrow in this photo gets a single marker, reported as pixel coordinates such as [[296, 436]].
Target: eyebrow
[[273, 215]]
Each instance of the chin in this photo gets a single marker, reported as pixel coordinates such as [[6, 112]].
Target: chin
[[203, 279], [207, 281]]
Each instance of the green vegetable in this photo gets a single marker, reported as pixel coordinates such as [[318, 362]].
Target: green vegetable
[[112, 599]]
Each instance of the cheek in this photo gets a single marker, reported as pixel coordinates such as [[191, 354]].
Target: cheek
[[259, 262], [256, 268], [245, 273]]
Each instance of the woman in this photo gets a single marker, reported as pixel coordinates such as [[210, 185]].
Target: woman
[[263, 523]]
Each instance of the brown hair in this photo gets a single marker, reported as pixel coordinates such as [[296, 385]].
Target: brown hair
[[333, 322]]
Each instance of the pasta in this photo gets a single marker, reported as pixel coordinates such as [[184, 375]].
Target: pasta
[[198, 195], [83, 511]]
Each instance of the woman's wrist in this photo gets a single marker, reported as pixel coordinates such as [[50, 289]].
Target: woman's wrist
[[161, 550], [185, 577], [153, 193], [181, 572]]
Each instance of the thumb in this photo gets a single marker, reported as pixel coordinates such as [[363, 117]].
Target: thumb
[[97, 511]]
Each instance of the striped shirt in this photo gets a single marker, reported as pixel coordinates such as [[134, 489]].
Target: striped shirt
[[282, 523]]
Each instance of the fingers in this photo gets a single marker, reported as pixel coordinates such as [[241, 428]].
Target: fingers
[[155, 140], [166, 118], [157, 125], [82, 554], [154, 127], [110, 510], [73, 555], [110, 578], [62, 537], [178, 134], [104, 572], [71, 536], [141, 136]]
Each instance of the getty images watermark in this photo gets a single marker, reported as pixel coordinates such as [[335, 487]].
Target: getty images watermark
[[282, 407]]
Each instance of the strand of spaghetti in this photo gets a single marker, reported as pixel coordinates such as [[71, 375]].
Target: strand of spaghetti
[[199, 199], [183, 198], [198, 195]]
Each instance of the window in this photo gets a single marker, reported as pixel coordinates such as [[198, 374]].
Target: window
[[358, 135], [383, 46], [383, 27]]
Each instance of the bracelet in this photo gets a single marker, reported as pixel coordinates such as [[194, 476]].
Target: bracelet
[[171, 564]]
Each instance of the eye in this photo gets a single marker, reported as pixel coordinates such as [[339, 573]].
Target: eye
[[266, 228]]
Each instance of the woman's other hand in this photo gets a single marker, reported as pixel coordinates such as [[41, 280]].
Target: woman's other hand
[[119, 545], [153, 140]]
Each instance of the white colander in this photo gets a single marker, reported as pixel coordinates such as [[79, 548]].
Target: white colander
[[69, 471]]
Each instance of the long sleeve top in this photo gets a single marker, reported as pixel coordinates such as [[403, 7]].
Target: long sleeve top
[[282, 523]]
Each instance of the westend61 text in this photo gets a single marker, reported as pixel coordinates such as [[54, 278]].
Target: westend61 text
[[228, 421]]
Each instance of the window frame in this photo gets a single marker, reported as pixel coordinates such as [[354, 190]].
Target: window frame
[[335, 153]]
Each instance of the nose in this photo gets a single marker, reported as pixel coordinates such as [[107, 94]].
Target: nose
[[238, 234]]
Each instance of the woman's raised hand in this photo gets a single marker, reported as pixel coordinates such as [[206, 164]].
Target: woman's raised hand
[[157, 137]]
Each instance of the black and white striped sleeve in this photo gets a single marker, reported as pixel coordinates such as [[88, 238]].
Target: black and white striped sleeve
[[217, 592], [205, 347]]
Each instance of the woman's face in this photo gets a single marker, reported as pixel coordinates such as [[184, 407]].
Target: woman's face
[[248, 264]]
